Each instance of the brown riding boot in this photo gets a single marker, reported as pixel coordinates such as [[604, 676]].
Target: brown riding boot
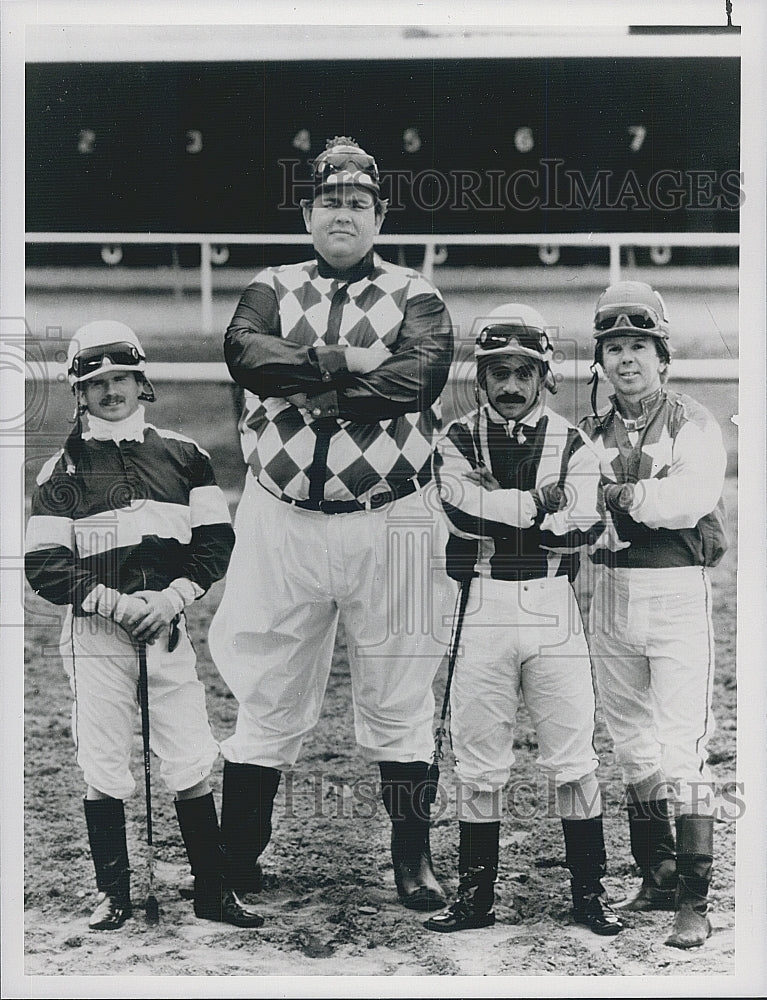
[[214, 898], [247, 803], [587, 860], [694, 862], [407, 792]]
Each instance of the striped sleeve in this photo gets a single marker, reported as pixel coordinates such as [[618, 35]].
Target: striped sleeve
[[471, 510], [212, 541], [45, 532], [50, 561], [580, 522], [207, 505]]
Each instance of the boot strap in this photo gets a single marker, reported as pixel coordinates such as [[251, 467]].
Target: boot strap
[[480, 875], [692, 887]]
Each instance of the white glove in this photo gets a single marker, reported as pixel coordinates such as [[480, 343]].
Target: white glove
[[361, 360], [155, 614], [129, 609]]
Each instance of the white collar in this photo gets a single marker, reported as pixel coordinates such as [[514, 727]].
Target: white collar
[[129, 429], [529, 420]]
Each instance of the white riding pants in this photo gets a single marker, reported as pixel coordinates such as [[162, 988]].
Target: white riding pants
[[652, 643], [293, 575], [522, 640], [101, 662]]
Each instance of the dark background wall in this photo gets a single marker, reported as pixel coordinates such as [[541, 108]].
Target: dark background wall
[[224, 147]]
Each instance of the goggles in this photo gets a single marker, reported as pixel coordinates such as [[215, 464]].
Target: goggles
[[360, 165], [91, 359], [505, 339], [631, 317]]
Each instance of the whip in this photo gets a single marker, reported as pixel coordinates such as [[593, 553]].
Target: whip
[[441, 732], [152, 906]]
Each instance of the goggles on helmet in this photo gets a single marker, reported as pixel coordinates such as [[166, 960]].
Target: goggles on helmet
[[507, 339], [92, 359], [358, 165], [628, 316]]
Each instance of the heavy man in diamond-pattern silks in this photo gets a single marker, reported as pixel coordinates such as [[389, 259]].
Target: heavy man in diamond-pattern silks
[[343, 358]]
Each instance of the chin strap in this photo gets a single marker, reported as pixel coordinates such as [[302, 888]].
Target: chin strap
[[73, 445], [594, 383], [147, 390]]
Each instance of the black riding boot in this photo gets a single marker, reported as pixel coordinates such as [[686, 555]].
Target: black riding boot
[[694, 861], [213, 899], [477, 871], [652, 846], [408, 791], [105, 819], [246, 821], [587, 860]]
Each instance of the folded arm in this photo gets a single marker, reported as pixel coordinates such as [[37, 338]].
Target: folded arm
[[407, 376], [473, 504], [693, 485], [579, 521]]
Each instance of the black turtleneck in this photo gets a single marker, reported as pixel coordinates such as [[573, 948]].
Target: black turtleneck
[[357, 272]]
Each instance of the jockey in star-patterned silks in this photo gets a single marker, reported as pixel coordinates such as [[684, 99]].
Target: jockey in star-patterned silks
[[651, 636]]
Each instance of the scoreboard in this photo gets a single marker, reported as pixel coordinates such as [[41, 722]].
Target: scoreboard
[[482, 145]]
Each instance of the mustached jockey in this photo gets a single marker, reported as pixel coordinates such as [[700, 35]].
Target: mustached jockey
[[128, 528], [519, 487]]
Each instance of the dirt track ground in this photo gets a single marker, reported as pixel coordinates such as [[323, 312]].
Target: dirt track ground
[[331, 907], [330, 903]]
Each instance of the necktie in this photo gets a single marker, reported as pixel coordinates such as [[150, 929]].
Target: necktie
[[516, 433], [336, 312], [326, 427]]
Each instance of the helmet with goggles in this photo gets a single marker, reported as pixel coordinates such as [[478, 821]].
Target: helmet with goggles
[[630, 308], [106, 346], [344, 162], [513, 328]]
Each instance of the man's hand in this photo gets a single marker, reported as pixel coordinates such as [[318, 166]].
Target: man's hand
[[619, 496], [156, 613], [483, 477], [361, 360], [299, 400]]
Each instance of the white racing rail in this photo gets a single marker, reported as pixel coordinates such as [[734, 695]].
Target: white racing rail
[[548, 244], [691, 370]]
